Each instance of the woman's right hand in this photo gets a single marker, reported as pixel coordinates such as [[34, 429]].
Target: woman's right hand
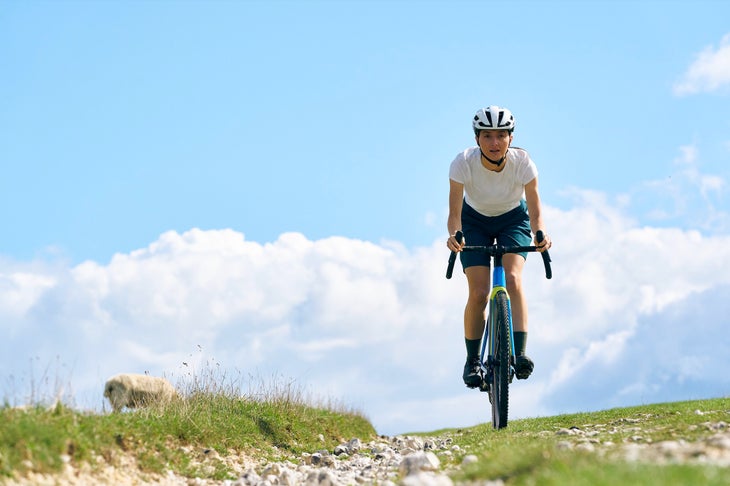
[[454, 245]]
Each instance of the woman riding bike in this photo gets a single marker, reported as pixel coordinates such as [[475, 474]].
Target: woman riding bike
[[493, 196]]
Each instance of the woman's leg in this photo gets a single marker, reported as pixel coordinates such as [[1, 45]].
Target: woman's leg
[[476, 303], [513, 265], [478, 278]]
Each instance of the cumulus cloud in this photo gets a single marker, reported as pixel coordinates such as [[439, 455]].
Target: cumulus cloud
[[677, 353], [709, 72], [377, 326], [687, 197]]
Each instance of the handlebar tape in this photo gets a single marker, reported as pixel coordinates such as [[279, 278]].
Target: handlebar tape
[[452, 258], [545, 256]]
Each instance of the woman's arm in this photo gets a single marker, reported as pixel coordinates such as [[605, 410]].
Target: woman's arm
[[534, 208], [453, 224]]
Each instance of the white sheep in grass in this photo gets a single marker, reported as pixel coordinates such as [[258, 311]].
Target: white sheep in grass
[[133, 390]]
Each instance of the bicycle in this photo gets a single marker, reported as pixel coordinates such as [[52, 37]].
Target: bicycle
[[497, 369]]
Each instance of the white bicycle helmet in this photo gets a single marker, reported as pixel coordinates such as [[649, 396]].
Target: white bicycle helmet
[[493, 118]]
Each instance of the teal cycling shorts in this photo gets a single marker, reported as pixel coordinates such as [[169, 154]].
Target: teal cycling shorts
[[509, 229]]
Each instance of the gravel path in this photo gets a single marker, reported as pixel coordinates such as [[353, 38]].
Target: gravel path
[[381, 461]]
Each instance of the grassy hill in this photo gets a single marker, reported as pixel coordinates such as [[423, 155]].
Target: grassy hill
[[679, 443], [672, 443], [42, 440]]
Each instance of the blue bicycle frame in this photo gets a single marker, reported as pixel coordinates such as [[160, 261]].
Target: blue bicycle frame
[[499, 284]]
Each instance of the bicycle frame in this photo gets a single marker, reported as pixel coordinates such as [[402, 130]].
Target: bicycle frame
[[499, 284]]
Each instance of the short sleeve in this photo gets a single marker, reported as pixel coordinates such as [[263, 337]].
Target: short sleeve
[[457, 171], [527, 171]]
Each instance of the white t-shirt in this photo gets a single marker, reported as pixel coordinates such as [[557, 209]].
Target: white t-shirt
[[493, 193]]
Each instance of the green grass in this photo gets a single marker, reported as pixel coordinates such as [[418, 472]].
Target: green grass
[[159, 438], [275, 421], [278, 423], [533, 452]]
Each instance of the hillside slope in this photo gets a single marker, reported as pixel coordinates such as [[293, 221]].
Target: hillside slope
[[673, 443]]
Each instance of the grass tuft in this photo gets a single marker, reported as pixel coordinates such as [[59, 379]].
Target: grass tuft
[[275, 418]]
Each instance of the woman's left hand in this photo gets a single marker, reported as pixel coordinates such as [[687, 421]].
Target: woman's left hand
[[545, 244]]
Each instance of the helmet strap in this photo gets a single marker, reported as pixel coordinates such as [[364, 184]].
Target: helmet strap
[[493, 162]]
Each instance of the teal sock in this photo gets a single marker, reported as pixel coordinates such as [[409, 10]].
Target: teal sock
[[520, 343], [473, 347]]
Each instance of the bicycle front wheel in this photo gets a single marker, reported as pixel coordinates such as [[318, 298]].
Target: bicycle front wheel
[[499, 387]]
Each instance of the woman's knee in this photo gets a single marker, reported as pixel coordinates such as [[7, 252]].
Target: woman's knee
[[514, 281], [478, 294]]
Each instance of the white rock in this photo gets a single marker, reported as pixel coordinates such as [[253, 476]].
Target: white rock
[[419, 461], [469, 459], [424, 478]]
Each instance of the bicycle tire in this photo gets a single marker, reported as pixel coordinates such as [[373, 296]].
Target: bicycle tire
[[501, 363]]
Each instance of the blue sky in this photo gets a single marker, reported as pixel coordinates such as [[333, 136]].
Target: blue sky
[[264, 184]]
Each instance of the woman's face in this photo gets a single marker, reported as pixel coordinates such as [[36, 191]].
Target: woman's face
[[494, 143]]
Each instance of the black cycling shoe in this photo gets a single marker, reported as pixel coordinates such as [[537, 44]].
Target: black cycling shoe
[[472, 373], [523, 367]]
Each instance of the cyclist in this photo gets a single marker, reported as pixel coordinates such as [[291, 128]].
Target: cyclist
[[493, 196]]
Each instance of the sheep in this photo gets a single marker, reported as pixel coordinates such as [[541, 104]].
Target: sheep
[[133, 390]]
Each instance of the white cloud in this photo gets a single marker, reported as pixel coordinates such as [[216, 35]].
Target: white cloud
[[377, 325], [709, 72], [677, 354], [20, 289], [687, 197]]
